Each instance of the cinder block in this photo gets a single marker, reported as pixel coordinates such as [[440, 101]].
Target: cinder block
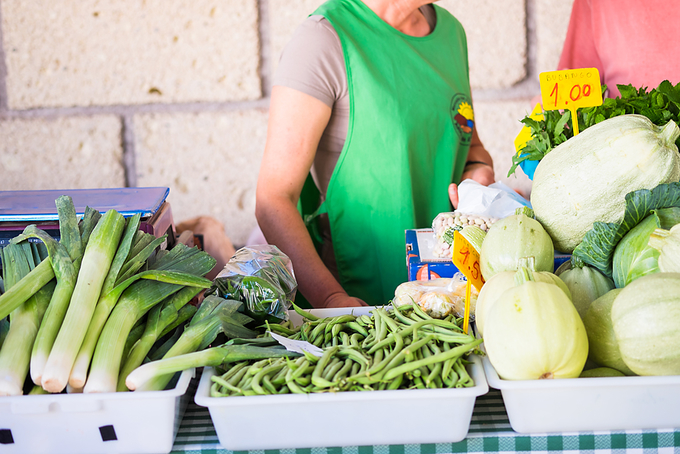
[[552, 21], [90, 52], [61, 153], [210, 162], [498, 123], [496, 33]]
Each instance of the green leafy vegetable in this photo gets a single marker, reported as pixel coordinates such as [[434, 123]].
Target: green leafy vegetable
[[598, 245], [660, 105]]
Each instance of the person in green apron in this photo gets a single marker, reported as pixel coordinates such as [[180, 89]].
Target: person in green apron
[[410, 137]]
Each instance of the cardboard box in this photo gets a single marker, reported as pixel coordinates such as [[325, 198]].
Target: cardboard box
[[422, 265]]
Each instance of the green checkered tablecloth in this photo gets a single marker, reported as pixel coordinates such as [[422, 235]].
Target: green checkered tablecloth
[[490, 431]]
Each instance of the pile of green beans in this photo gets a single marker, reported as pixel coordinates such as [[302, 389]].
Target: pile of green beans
[[399, 348]]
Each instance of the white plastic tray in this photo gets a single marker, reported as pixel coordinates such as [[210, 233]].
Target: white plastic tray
[[134, 422], [345, 418], [589, 404]]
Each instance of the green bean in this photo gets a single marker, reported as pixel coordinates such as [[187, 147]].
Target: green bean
[[279, 329], [345, 339], [233, 370], [304, 313], [355, 369], [342, 373], [454, 352], [317, 331], [255, 384], [398, 345], [355, 340], [338, 320], [356, 355], [317, 379], [357, 328], [268, 386], [333, 366]]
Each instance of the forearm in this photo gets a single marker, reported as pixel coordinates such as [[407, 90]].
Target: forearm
[[479, 164], [282, 226]]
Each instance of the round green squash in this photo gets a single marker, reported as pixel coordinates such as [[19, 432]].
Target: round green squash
[[512, 238], [585, 283]]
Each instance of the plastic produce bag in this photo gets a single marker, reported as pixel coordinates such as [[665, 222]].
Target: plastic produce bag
[[496, 200], [262, 278], [437, 297]]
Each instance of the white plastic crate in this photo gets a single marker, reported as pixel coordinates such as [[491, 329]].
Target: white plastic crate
[[143, 422], [589, 404], [343, 418]]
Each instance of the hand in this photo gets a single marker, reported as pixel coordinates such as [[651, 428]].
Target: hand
[[481, 173], [343, 300]]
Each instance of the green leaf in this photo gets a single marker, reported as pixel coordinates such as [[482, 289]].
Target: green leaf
[[598, 245]]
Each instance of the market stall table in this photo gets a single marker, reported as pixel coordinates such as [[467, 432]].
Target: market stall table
[[490, 431]]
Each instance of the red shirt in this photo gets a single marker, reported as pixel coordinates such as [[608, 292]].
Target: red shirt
[[629, 41]]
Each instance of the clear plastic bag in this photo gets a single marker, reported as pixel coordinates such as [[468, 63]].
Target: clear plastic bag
[[438, 297], [262, 278]]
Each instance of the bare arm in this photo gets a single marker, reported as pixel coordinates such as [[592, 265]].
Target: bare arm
[[296, 122], [479, 167]]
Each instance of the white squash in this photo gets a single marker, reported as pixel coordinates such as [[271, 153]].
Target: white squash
[[646, 321], [586, 178], [505, 280], [603, 348], [513, 237], [534, 332], [585, 283]]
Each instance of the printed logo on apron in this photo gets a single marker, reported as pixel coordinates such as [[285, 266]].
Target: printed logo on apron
[[463, 117]]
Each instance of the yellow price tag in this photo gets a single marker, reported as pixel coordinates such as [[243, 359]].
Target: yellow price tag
[[524, 135], [466, 259], [570, 89]]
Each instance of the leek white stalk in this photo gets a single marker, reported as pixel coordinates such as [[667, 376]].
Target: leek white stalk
[[95, 265], [134, 303], [144, 377], [15, 354]]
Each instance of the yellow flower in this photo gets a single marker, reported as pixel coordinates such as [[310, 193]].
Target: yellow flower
[[465, 110]]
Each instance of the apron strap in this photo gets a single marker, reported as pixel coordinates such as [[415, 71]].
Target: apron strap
[[310, 210]]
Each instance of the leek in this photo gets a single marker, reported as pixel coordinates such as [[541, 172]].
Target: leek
[[65, 274], [145, 377], [95, 265], [133, 304], [15, 354], [214, 316], [42, 273], [159, 318], [78, 375]]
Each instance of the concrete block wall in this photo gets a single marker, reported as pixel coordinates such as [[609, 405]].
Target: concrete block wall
[[102, 93]]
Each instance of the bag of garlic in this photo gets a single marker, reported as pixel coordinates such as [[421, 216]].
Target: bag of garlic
[[437, 297]]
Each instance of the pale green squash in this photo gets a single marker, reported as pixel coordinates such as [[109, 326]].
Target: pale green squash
[[585, 179], [511, 238], [505, 280], [646, 321], [585, 283], [603, 346], [534, 332]]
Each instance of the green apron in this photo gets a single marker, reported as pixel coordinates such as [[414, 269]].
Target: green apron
[[409, 132]]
